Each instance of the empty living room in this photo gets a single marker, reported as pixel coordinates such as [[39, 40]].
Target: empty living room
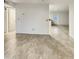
[[39, 29]]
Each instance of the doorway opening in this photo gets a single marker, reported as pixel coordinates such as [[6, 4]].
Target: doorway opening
[[59, 24]]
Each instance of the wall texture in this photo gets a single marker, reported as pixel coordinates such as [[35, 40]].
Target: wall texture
[[31, 18], [63, 17]]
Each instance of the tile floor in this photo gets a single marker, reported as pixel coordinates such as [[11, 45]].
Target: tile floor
[[58, 45]]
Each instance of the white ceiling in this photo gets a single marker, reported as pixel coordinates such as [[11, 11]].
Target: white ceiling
[[58, 7], [55, 5], [42, 1]]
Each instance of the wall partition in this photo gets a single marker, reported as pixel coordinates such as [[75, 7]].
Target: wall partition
[[10, 32], [9, 19]]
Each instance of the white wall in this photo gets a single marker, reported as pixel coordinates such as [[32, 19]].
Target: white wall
[[31, 18], [11, 20], [71, 20], [63, 17]]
